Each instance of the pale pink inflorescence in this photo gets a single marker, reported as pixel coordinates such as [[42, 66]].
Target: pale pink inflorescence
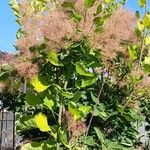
[[26, 68], [59, 31], [118, 29], [57, 27], [22, 64], [76, 128], [145, 82]]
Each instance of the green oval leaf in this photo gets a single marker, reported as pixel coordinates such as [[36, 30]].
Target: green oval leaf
[[88, 82], [76, 16], [53, 58], [33, 99], [68, 5], [99, 9], [38, 86], [132, 53], [89, 3], [82, 70], [42, 123]]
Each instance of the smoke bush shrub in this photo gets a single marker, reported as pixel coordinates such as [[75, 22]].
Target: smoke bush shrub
[[83, 68]]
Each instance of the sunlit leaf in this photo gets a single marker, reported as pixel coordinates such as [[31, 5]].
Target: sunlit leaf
[[147, 60], [94, 98], [89, 3], [146, 20], [140, 26], [15, 7], [44, 145], [38, 86], [98, 21], [49, 103], [42, 123], [88, 82], [147, 40], [132, 53], [67, 94], [82, 70], [33, 146], [126, 142], [74, 110], [53, 58], [116, 145], [85, 109], [142, 3], [108, 1]]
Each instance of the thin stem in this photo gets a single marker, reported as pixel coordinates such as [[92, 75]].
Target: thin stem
[[60, 114], [54, 116], [59, 122], [95, 106]]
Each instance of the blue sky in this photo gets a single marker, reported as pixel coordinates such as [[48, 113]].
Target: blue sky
[[8, 26]]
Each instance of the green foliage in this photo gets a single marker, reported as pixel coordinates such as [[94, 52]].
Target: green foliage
[[38, 85], [16, 9], [26, 123], [133, 52], [89, 3], [33, 99], [146, 20], [76, 90], [142, 3], [39, 146]]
